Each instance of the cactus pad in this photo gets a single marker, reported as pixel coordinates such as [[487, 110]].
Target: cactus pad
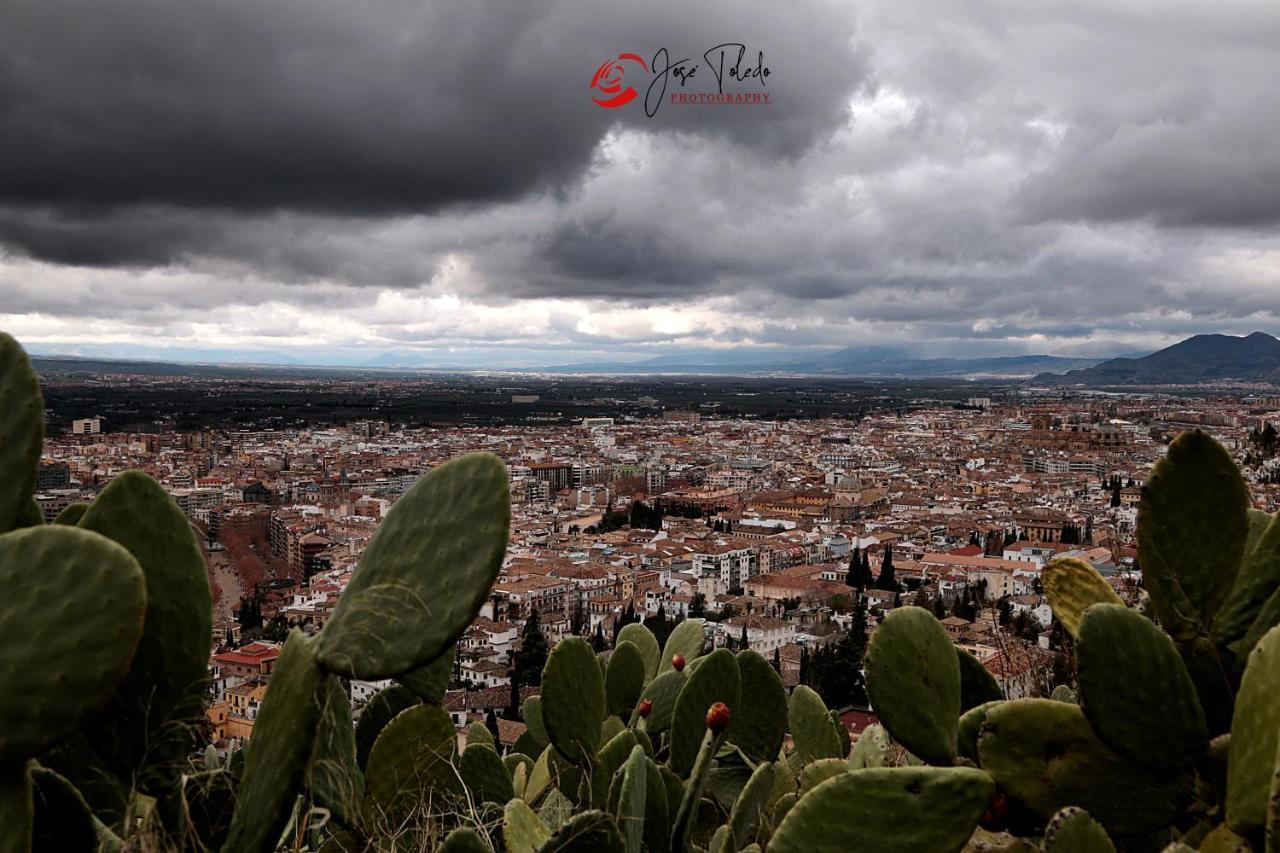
[[485, 775], [716, 680], [586, 832], [687, 640], [891, 810], [147, 724], [1118, 691], [647, 644], [522, 831], [409, 765], [425, 574], [333, 776], [663, 692], [1071, 586], [573, 700], [21, 432], [70, 618], [381, 709], [913, 682], [1072, 830], [277, 755], [1045, 755], [811, 728], [977, 684], [607, 762], [71, 514], [464, 839], [1192, 528], [1255, 730], [873, 749], [624, 678], [62, 818], [760, 723], [1258, 580], [17, 809]]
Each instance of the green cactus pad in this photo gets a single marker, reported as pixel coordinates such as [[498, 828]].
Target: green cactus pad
[[425, 574], [276, 759], [17, 808], [1222, 840], [663, 692], [77, 760], [1255, 730], [913, 682], [607, 762], [1273, 808], [531, 713], [21, 432], [624, 679], [1119, 691], [760, 723], [539, 779], [748, 809], [716, 680], [815, 773], [70, 618], [333, 776], [1063, 693], [893, 809], [587, 832], [71, 514], [573, 700], [485, 775], [1192, 527], [610, 728], [1045, 755], [146, 728], [687, 639], [208, 803], [1071, 586], [1258, 580], [555, 809], [970, 727], [1072, 830], [62, 817], [464, 839], [872, 748], [381, 709], [410, 763], [642, 638], [1268, 617], [977, 684], [478, 733], [430, 682], [811, 729], [522, 831], [632, 800]]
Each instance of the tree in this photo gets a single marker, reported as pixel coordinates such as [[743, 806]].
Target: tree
[[777, 661], [886, 580], [743, 642], [597, 639], [532, 656], [859, 574], [491, 723], [698, 606]]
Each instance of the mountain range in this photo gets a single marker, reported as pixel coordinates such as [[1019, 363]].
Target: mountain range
[[1198, 359]]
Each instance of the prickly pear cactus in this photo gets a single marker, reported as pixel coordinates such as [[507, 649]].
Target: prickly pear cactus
[[21, 433], [905, 809], [716, 680], [1072, 586], [1192, 528], [1255, 737], [1071, 830], [913, 681], [1118, 690], [573, 700], [425, 574], [70, 620], [647, 644]]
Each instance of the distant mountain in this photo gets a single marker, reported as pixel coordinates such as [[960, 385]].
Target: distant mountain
[[1202, 358], [862, 361], [870, 361]]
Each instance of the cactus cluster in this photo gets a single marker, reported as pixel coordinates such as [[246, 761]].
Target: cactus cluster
[[1168, 741]]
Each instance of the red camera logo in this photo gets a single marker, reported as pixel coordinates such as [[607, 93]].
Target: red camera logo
[[608, 81]]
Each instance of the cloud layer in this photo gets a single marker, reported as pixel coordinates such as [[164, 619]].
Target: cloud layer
[[976, 177]]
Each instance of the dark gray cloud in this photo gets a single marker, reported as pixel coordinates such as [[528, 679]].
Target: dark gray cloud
[[968, 176]]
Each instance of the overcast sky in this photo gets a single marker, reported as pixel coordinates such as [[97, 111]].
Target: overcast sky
[[333, 179]]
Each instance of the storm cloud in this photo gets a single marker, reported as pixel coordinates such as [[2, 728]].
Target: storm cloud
[[982, 176]]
